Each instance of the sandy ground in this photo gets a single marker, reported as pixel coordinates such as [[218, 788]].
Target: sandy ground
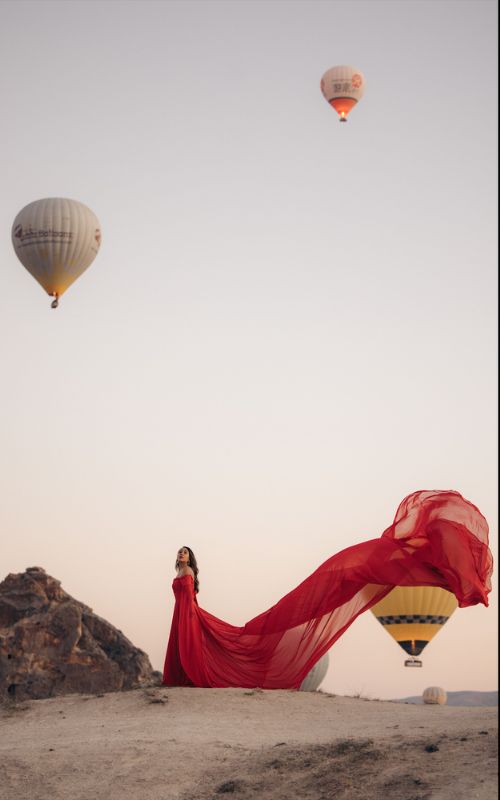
[[187, 744]]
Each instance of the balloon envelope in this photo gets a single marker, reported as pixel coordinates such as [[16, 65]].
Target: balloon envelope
[[343, 87], [314, 677], [56, 239], [413, 615], [434, 695]]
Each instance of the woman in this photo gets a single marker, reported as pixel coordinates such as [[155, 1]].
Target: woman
[[437, 539], [185, 588], [185, 564]]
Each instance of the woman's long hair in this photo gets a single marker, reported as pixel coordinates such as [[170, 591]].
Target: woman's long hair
[[194, 566]]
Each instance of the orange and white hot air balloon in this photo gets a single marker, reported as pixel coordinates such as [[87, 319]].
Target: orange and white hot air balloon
[[343, 87], [56, 239]]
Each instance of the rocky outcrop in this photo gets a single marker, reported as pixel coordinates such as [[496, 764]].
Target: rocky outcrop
[[51, 644]]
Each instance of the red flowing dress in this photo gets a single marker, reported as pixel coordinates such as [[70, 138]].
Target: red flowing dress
[[437, 539]]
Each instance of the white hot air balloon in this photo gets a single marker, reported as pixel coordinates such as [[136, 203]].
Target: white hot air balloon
[[314, 677], [343, 87], [434, 695], [56, 239]]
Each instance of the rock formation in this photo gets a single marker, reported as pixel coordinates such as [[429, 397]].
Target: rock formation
[[51, 644]]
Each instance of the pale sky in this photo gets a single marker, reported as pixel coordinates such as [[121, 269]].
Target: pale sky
[[291, 323]]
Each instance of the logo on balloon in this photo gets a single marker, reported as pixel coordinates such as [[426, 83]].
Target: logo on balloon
[[356, 80], [97, 236], [29, 234]]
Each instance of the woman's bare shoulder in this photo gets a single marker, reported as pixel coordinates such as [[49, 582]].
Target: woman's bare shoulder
[[185, 571]]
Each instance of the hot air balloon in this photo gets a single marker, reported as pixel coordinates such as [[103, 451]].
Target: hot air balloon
[[434, 695], [56, 239], [315, 676], [413, 615], [342, 87]]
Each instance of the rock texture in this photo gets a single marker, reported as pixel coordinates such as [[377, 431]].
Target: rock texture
[[51, 644]]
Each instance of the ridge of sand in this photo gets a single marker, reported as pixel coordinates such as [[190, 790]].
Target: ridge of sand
[[180, 743]]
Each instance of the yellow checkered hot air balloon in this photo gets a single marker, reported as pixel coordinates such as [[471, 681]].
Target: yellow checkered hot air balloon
[[413, 615]]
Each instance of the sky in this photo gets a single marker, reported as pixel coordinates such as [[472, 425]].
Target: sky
[[290, 325]]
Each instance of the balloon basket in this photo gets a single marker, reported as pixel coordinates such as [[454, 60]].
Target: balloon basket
[[413, 662]]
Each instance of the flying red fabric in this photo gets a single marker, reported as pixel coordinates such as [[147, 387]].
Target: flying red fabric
[[437, 539]]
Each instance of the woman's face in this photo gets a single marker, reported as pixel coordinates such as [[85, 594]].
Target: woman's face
[[183, 556]]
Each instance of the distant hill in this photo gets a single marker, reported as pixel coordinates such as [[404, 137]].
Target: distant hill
[[460, 699]]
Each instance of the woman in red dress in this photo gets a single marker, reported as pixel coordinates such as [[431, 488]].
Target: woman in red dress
[[437, 539]]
